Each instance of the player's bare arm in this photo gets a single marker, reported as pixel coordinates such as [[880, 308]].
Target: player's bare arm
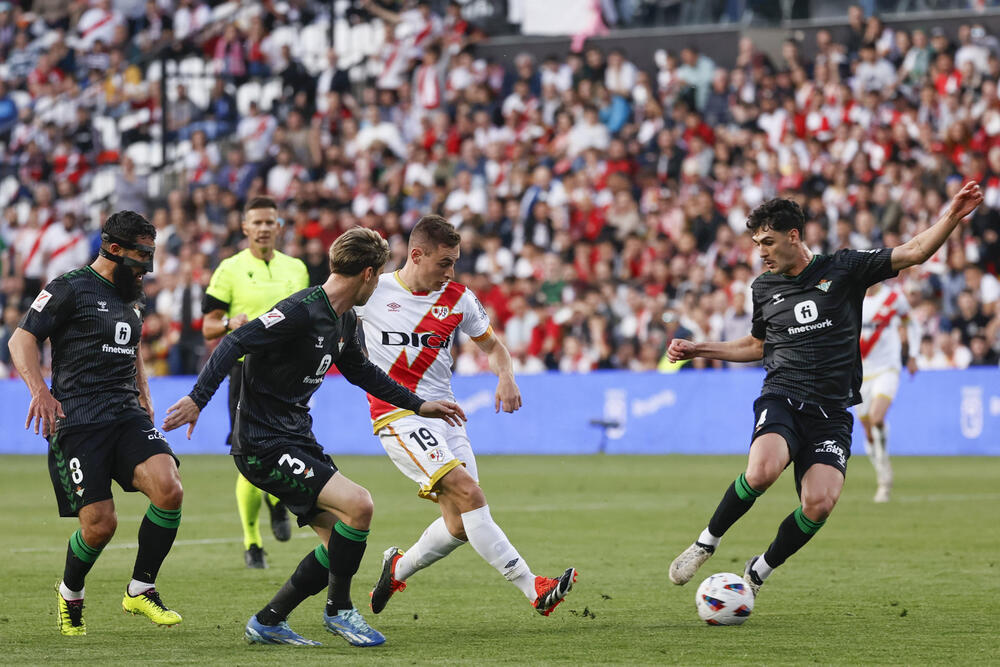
[[741, 350], [145, 397], [508, 396], [216, 323], [923, 246], [44, 409]]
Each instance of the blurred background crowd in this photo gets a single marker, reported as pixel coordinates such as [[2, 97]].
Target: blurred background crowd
[[601, 201]]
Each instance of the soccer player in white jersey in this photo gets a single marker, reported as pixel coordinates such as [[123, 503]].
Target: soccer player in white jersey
[[410, 324], [883, 343]]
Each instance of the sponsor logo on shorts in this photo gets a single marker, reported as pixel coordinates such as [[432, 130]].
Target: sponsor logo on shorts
[[831, 447], [760, 422], [154, 434]]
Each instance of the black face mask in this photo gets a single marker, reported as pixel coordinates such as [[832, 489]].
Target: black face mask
[[124, 275]]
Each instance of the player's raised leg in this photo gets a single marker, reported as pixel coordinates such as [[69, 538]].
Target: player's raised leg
[[768, 457], [821, 487], [158, 479], [462, 498]]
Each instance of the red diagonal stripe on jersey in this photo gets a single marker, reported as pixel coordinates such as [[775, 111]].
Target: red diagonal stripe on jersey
[[881, 322], [409, 375]]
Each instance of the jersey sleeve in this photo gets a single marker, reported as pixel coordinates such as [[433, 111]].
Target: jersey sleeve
[[867, 267], [281, 324], [219, 293], [758, 327], [361, 372], [50, 309], [475, 322]]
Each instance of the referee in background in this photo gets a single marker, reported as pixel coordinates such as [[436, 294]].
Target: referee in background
[[242, 288]]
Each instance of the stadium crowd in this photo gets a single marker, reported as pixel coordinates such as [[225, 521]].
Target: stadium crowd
[[601, 201]]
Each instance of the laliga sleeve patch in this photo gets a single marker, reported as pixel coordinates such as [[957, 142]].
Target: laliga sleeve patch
[[41, 300], [271, 318]]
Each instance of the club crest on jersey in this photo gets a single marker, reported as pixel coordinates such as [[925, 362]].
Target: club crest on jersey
[[440, 312], [40, 300], [824, 285], [272, 317], [393, 307], [102, 306]]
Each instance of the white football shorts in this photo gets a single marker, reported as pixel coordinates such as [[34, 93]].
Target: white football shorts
[[880, 383], [425, 450]]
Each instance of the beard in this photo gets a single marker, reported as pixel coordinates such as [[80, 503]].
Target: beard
[[128, 289]]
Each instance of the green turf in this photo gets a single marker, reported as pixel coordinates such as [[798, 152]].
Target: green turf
[[911, 582]]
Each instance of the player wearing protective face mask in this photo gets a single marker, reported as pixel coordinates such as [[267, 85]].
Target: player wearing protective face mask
[[98, 417]]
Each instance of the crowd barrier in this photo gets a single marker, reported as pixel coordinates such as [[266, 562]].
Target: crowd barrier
[[946, 413]]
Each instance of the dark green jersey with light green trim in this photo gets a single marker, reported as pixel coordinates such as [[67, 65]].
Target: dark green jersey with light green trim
[[288, 351], [95, 338], [810, 324]]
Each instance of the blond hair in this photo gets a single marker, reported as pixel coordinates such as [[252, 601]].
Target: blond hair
[[357, 249]]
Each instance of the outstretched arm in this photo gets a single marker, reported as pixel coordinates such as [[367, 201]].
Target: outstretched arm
[[743, 349], [923, 246]]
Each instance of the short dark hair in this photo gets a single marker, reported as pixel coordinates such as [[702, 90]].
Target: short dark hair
[[781, 215], [357, 249], [432, 231], [259, 202], [126, 226]]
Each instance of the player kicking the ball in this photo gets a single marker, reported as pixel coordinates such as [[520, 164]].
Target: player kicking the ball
[[806, 324], [409, 324]]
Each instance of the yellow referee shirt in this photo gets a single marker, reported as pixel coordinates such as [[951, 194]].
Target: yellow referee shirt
[[244, 284]]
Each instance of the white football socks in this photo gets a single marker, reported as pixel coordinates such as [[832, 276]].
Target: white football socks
[[69, 595], [433, 545], [762, 569], [490, 542], [708, 538], [136, 587]]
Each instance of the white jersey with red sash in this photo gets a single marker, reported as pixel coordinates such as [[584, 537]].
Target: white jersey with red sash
[[881, 346], [409, 335]]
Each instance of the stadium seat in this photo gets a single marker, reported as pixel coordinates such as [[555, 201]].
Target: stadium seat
[[245, 94]]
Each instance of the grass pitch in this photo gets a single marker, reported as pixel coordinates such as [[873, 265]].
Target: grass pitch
[[911, 582]]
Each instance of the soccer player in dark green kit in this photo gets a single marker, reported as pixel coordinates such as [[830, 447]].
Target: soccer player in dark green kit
[[98, 417], [288, 351], [806, 325]]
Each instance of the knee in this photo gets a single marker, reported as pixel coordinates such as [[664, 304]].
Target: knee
[[761, 475], [171, 497], [362, 509], [99, 532], [468, 495], [818, 505]]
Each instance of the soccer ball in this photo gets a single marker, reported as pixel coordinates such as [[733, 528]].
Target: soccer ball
[[724, 599]]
